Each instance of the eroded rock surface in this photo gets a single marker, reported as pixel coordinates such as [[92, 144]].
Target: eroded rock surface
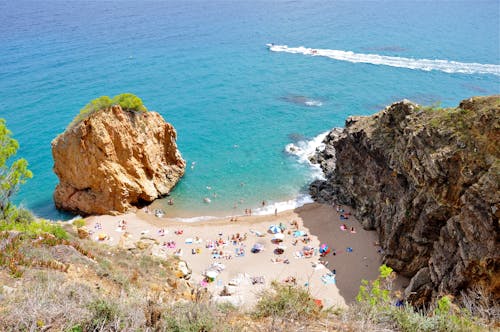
[[427, 181], [114, 160]]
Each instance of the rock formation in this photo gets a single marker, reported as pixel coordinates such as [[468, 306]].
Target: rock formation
[[114, 160], [427, 180]]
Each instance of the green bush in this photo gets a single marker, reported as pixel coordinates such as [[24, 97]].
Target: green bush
[[95, 105], [287, 302], [79, 222], [377, 292], [190, 317], [35, 228], [375, 304], [103, 313], [129, 102]]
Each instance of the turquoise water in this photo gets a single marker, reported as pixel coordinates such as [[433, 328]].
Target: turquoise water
[[204, 66]]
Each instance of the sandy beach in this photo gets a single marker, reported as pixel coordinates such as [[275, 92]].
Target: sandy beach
[[213, 245]]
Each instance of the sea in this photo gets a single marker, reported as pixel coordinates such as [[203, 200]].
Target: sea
[[237, 104]]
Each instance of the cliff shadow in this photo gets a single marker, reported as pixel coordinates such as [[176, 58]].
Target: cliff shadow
[[351, 267]]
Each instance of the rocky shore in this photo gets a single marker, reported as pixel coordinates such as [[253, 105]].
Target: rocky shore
[[427, 180]]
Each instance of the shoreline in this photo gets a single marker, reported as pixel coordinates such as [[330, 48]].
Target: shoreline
[[314, 219]]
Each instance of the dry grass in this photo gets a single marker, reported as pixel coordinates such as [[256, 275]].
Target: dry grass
[[120, 291]]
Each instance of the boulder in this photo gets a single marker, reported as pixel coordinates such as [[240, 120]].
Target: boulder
[[145, 243], [83, 232], [114, 160], [182, 270]]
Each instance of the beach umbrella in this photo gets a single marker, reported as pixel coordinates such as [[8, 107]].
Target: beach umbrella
[[323, 248], [279, 236], [274, 229], [211, 275]]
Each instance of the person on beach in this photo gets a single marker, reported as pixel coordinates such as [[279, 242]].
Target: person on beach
[[276, 212]]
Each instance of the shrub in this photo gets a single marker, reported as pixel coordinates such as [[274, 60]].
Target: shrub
[[377, 292], [190, 317], [35, 228], [375, 306], [288, 302], [103, 314], [79, 222], [95, 105], [129, 102]]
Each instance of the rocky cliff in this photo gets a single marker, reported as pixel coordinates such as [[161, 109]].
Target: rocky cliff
[[427, 180], [115, 159]]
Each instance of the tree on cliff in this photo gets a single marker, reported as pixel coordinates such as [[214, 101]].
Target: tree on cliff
[[12, 173]]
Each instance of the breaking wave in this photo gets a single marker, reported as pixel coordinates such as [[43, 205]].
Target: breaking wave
[[303, 150], [409, 63]]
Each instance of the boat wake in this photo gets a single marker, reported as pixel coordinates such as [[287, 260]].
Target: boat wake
[[409, 63]]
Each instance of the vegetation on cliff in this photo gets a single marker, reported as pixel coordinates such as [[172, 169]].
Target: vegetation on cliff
[[80, 285], [427, 180], [127, 101]]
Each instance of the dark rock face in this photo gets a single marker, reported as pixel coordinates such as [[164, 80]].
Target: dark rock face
[[428, 182]]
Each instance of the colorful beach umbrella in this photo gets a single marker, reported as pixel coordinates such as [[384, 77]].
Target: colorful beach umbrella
[[323, 248], [274, 229]]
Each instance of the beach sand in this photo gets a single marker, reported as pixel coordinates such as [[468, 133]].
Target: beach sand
[[319, 220]]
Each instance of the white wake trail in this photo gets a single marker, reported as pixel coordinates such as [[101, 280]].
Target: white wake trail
[[375, 59]]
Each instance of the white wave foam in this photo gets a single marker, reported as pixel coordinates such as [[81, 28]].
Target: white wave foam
[[313, 103], [306, 149], [283, 206], [72, 220], [196, 219], [375, 59]]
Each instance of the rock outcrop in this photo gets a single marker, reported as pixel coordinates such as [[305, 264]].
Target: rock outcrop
[[114, 160], [427, 180]]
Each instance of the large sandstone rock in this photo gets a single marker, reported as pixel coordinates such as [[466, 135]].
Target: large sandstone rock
[[114, 160], [428, 182]]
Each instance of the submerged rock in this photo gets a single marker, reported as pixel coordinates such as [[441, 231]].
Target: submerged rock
[[114, 160], [427, 180]]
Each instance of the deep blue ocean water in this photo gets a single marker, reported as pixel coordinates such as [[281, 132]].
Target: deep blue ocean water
[[204, 66]]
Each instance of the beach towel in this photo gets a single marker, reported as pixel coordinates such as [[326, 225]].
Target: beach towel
[[328, 279], [299, 233]]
